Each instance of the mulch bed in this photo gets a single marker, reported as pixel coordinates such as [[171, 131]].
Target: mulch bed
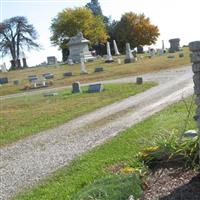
[[170, 183]]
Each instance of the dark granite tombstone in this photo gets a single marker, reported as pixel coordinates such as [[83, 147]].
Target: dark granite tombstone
[[174, 45], [51, 60], [19, 63], [24, 63], [3, 80], [32, 78], [48, 75], [95, 88], [98, 69], [140, 49], [139, 80], [66, 74], [12, 62], [76, 87]]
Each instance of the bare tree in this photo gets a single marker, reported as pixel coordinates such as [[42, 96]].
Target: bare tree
[[15, 35]]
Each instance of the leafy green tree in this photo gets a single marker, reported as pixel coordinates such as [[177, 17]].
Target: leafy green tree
[[71, 21], [135, 29], [15, 35]]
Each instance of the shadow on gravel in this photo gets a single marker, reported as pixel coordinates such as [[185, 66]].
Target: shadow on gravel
[[189, 191]]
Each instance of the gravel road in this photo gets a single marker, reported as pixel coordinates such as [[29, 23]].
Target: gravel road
[[26, 162]]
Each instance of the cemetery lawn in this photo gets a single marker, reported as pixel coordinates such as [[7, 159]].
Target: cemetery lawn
[[119, 151], [111, 71], [24, 116]]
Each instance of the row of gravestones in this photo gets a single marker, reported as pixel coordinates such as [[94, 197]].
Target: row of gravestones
[[93, 88], [129, 58], [76, 88], [98, 87], [31, 78], [83, 70], [18, 63], [34, 78]]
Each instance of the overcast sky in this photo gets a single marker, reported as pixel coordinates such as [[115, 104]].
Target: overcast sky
[[175, 18]]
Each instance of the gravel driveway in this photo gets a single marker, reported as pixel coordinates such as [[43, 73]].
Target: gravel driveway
[[26, 162]]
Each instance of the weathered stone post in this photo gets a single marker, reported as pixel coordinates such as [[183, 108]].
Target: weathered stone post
[[195, 58]]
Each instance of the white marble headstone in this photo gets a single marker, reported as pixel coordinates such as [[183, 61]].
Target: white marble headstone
[[109, 56], [3, 67], [83, 67]]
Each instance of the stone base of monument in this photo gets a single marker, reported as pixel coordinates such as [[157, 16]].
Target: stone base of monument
[[77, 58], [83, 73], [126, 61], [117, 54]]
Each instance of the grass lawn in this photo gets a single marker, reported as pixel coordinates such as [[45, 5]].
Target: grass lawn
[[82, 172], [112, 71], [23, 116]]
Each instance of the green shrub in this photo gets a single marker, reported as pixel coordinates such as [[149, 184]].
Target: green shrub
[[115, 187], [172, 149]]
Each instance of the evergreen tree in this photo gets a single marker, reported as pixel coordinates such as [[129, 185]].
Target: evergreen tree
[[95, 7]]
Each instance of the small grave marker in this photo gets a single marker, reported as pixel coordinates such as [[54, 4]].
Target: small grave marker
[[139, 80], [98, 69], [32, 78], [50, 94], [16, 82], [95, 88], [76, 87], [66, 74], [48, 75], [3, 80]]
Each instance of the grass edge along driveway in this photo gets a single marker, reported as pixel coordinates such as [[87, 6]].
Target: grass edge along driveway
[[83, 171]]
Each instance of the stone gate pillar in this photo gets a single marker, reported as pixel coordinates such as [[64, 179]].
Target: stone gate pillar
[[195, 58]]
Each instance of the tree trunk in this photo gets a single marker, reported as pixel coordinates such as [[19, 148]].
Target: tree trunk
[[18, 37]]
